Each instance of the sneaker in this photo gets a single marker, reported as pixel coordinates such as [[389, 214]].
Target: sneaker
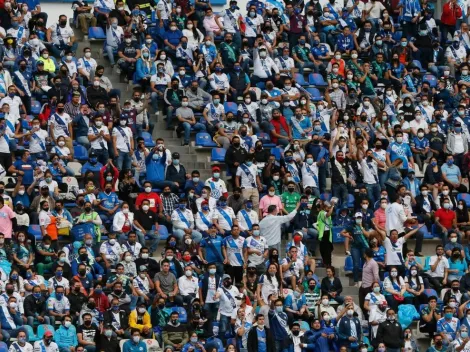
[[118, 70], [126, 79], [85, 37], [418, 254], [356, 284], [348, 253]]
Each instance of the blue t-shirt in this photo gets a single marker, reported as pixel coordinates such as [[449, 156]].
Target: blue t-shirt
[[399, 151], [28, 169], [420, 144], [460, 265], [24, 199], [452, 172], [261, 340], [379, 254], [108, 201], [210, 244]]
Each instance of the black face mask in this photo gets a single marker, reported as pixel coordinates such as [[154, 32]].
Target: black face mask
[[82, 272], [296, 333], [91, 305], [166, 193], [60, 110], [63, 23], [83, 257], [87, 322], [236, 196], [9, 291], [117, 292], [236, 145]]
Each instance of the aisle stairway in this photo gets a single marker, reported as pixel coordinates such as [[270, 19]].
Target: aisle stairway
[[196, 158]]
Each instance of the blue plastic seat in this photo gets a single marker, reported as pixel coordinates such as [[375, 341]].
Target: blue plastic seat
[[426, 234], [264, 137], [230, 106], [43, 328], [299, 78], [203, 139], [96, 33], [316, 79], [315, 94], [35, 107], [3, 347], [434, 232], [350, 201], [325, 196], [431, 79], [25, 125], [183, 316], [261, 85], [80, 153], [218, 154], [277, 152], [417, 63], [348, 264], [35, 230], [429, 292], [163, 231], [148, 139], [465, 197], [337, 238], [30, 333]]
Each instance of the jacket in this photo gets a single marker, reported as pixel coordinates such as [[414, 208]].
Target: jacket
[[155, 168], [204, 283], [391, 334], [142, 70], [33, 306], [235, 155], [108, 319], [418, 208], [252, 342], [288, 343], [450, 13], [66, 337], [130, 346], [174, 175], [344, 330], [133, 321], [327, 286], [451, 143], [175, 334], [465, 169]]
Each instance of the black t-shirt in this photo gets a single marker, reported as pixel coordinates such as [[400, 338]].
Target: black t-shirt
[[120, 17], [129, 51], [90, 334], [147, 220]]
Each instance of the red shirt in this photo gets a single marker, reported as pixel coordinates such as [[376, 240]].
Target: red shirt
[[450, 13], [446, 217], [277, 127], [154, 198]]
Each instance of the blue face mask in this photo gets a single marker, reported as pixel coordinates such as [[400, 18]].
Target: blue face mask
[[315, 42], [172, 243], [29, 275], [59, 296], [176, 162], [403, 44], [37, 295], [249, 206], [135, 12], [249, 163], [237, 68], [155, 156], [303, 205], [93, 160], [458, 129], [448, 316], [302, 42], [433, 163], [59, 273], [184, 45], [223, 204], [205, 207], [182, 206], [450, 162], [98, 291], [116, 308], [289, 159], [297, 11], [14, 277]]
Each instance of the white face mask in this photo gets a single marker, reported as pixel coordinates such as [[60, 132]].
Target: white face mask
[[446, 193], [338, 57], [420, 134], [128, 258], [61, 143], [335, 70], [354, 56], [399, 139], [460, 206], [414, 272], [350, 77], [145, 207], [393, 274], [162, 57], [434, 129], [21, 192], [87, 55], [125, 210], [446, 73], [325, 302]]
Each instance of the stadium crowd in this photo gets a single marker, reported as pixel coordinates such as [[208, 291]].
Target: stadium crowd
[[341, 124]]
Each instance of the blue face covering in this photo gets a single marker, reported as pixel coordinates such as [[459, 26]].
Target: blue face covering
[[182, 206]]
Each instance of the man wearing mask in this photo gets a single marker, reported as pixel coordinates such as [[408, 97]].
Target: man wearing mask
[[62, 37], [58, 90], [76, 298], [107, 341], [144, 259], [141, 119], [197, 97], [60, 124], [117, 320], [35, 307], [146, 224], [98, 136], [247, 217], [230, 51], [173, 98], [58, 306], [128, 53], [227, 294], [390, 332], [96, 94], [46, 343], [210, 251], [114, 37], [20, 344], [260, 337], [88, 333], [301, 54], [66, 336]]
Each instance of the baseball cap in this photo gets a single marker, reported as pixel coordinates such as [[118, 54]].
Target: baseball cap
[[358, 215], [215, 168]]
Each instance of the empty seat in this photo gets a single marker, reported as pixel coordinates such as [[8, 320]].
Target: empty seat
[[80, 153], [96, 33], [35, 107], [277, 152], [218, 154], [148, 139], [316, 79], [264, 137], [315, 94], [299, 78], [230, 107], [465, 197], [204, 139], [431, 79]]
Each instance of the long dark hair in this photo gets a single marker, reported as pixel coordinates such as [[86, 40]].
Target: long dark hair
[[268, 275], [417, 276]]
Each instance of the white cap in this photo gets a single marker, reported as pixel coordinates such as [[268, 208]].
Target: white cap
[[358, 215]]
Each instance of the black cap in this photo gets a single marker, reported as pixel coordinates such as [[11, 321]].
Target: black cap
[[45, 187], [175, 155], [93, 155]]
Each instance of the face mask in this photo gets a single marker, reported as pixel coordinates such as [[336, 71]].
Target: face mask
[[448, 316], [391, 318], [216, 174], [376, 289], [393, 274], [464, 334], [128, 258], [350, 312], [325, 302], [136, 339], [59, 296], [399, 139]]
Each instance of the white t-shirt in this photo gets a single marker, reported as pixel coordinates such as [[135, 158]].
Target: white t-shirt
[[64, 34], [395, 217], [248, 180], [252, 215], [259, 244], [52, 186], [394, 251], [377, 8], [176, 220], [227, 305], [60, 129], [221, 219], [123, 143], [218, 188], [211, 290], [97, 143], [310, 175], [293, 270], [34, 144], [443, 264], [63, 282]]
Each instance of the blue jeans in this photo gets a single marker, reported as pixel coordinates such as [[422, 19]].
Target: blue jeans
[[110, 51], [341, 192], [47, 320], [198, 127], [357, 254], [83, 140], [124, 161], [373, 192], [56, 49], [196, 235], [154, 238], [102, 155], [224, 326]]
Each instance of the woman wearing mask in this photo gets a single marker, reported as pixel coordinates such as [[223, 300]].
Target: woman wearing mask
[[194, 345], [396, 73], [414, 288], [91, 216], [351, 82], [383, 128], [298, 152], [51, 184], [23, 254], [458, 344], [190, 246], [269, 283], [172, 242], [250, 281], [17, 281], [376, 304], [463, 218], [127, 186], [331, 286], [10, 53], [433, 177], [61, 262], [324, 227], [394, 289], [65, 76], [145, 68], [47, 221], [194, 35], [337, 60], [166, 61], [407, 109], [75, 87], [130, 269], [123, 220], [380, 254], [457, 265], [355, 64], [201, 69]]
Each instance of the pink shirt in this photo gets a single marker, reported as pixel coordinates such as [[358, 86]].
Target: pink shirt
[[380, 217], [266, 201], [210, 24], [6, 226]]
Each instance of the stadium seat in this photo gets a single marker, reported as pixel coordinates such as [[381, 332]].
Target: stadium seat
[[75, 167], [417, 63], [427, 235], [80, 153], [299, 78], [264, 137], [35, 107], [42, 328], [148, 139], [316, 79], [431, 79], [121, 344], [434, 232], [230, 107], [30, 333], [315, 94], [218, 154], [348, 263], [337, 238], [261, 85], [163, 231], [204, 139], [278, 153], [350, 201], [96, 33], [465, 197], [3, 347], [430, 292], [325, 196], [35, 230], [25, 124], [152, 345]]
